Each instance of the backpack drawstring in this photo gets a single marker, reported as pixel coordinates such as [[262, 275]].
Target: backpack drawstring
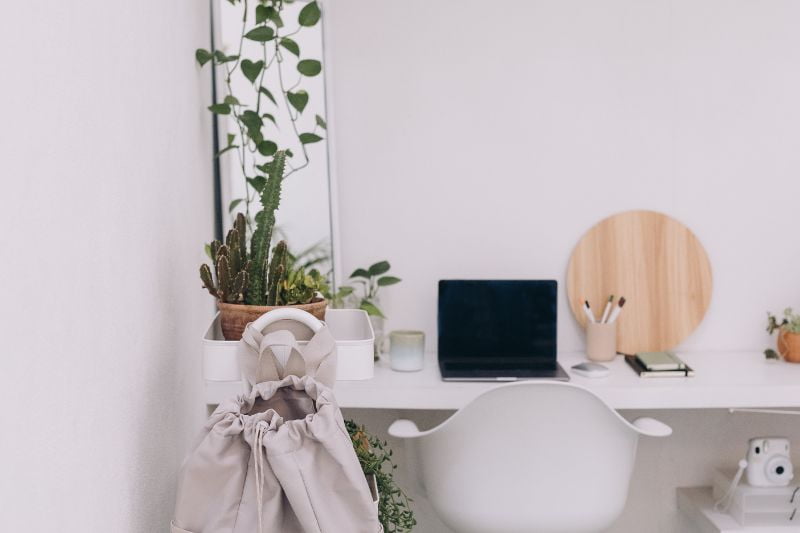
[[261, 429]]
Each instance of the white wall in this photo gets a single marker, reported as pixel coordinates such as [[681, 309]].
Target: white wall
[[481, 139], [106, 189]]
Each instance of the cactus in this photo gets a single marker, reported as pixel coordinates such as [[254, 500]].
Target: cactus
[[230, 266], [270, 196], [277, 272]]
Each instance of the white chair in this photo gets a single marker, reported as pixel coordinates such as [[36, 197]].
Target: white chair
[[542, 457]]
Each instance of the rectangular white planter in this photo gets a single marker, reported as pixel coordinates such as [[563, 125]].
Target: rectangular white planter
[[354, 347]]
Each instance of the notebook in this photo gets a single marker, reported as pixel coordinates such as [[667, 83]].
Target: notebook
[[660, 361]]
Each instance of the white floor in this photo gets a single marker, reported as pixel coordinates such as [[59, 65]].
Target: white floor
[[702, 441]]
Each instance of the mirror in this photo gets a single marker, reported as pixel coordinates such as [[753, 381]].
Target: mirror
[[278, 79]]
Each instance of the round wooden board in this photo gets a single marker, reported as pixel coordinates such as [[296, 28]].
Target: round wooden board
[[660, 268]]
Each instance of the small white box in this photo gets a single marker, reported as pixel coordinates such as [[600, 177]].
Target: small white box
[[351, 328], [758, 506]]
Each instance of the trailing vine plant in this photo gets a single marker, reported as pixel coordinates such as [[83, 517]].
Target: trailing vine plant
[[375, 457], [271, 47]]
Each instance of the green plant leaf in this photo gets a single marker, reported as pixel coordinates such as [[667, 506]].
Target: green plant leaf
[[261, 34], [202, 56], [222, 58], [385, 281], [232, 100], [269, 117], [265, 91], [251, 69], [227, 148], [371, 309], [308, 138], [291, 45], [299, 100], [379, 268], [321, 123], [359, 273], [234, 204], [309, 15], [231, 138], [346, 290], [220, 109], [251, 120], [257, 183], [262, 14], [309, 67], [267, 148]]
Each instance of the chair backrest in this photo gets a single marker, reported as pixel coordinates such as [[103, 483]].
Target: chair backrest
[[531, 456]]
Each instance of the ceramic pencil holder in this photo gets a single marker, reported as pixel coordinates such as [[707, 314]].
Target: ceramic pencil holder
[[407, 350], [601, 341]]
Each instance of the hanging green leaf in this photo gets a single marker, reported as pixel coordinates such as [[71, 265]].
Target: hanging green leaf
[[268, 94], [251, 69], [269, 117], [222, 58], [257, 183], [227, 148], [309, 15], [231, 100], [321, 123], [379, 268], [220, 109], [309, 67], [299, 100], [202, 56], [385, 281], [234, 204], [308, 138], [261, 34], [262, 13], [267, 148], [231, 138], [291, 45]]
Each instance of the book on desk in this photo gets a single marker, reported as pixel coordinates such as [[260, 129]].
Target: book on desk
[[658, 365]]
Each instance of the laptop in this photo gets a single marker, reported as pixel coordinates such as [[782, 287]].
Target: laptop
[[498, 330]]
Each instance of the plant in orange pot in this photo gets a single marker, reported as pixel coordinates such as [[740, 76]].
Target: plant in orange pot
[[247, 285], [788, 334]]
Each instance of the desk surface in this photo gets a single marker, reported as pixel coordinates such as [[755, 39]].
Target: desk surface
[[722, 380]]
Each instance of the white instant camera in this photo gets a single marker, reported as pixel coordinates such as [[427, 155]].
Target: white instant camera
[[768, 462]]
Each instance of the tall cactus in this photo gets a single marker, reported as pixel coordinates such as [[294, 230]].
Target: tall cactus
[[231, 265], [270, 196]]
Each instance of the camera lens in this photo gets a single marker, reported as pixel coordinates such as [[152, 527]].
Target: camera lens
[[779, 470]]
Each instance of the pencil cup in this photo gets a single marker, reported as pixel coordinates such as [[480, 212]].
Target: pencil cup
[[601, 341]]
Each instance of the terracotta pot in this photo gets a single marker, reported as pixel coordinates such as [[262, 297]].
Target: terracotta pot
[[789, 346], [234, 317]]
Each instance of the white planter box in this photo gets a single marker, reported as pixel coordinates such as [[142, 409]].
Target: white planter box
[[350, 327]]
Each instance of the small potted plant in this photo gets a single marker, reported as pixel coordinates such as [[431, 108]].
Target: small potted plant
[[249, 284], [788, 335], [368, 282]]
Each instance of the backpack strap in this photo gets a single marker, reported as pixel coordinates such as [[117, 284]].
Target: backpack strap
[[257, 358]]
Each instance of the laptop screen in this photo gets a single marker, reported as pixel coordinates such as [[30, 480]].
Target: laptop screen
[[504, 321]]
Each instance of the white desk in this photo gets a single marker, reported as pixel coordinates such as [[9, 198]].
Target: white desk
[[722, 380]]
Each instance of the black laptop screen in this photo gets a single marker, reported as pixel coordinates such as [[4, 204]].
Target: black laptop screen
[[500, 320]]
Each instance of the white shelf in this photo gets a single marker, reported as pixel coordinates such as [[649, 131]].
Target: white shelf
[[722, 380], [697, 504]]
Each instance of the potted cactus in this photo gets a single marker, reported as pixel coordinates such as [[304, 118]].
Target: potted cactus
[[246, 283]]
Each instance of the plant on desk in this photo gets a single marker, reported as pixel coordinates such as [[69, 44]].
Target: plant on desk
[[788, 336], [368, 283]]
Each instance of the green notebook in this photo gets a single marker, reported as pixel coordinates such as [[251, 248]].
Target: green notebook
[[657, 361]]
